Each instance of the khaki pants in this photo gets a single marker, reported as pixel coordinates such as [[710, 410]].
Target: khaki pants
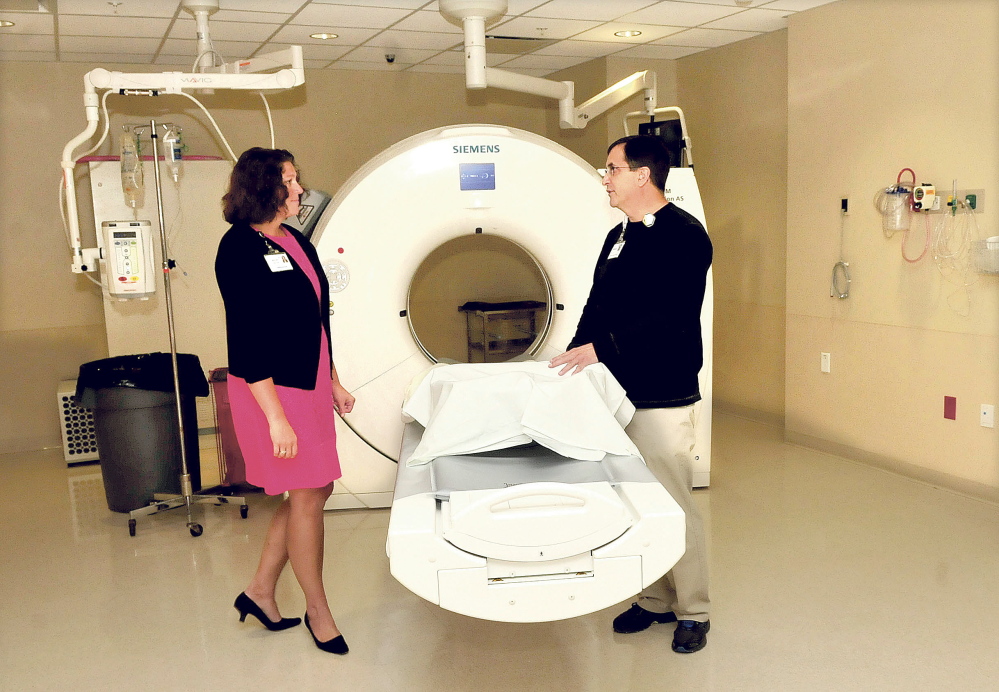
[[665, 437]]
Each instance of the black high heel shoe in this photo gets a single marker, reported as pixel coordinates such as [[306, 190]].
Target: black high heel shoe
[[245, 605], [336, 645]]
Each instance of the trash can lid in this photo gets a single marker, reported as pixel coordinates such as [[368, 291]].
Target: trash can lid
[[150, 371]]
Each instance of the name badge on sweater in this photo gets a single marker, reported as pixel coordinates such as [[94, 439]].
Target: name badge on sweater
[[279, 262], [616, 250]]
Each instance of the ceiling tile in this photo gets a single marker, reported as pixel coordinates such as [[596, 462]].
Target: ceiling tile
[[549, 62], [514, 7], [428, 21], [352, 16], [315, 50], [287, 6], [413, 39], [368, 66], [127, 8], [795, 5], [398, 4], [752, 20], [407, 56], [27, 56], [300, 34], [600, 10], [229, 50], [19, 42], [605, 32], [107, 58], [532, 27], [680, 13], [446, 69], [252, 17], [96, 44], [113, 27], [223, 31], [705, 38], [28, 24], [650, 52], [582, 49]]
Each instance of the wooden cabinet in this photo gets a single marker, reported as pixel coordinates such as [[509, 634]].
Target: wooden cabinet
[[498, 332]]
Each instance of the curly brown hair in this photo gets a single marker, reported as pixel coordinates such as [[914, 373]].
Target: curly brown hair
[[256, 186]]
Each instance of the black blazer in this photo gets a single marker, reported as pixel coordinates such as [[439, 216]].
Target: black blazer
[[272, 319]]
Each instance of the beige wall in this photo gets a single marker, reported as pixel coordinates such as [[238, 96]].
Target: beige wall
[[856, 117], [735, 103]]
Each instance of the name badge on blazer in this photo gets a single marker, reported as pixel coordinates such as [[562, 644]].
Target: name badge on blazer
[[279, 262]]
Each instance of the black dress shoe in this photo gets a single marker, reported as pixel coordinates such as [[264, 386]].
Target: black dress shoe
[[245, 605], [637, 618], [336, 645], [690, 636]]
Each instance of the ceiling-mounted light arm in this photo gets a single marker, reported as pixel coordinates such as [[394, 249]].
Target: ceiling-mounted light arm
[[687, 150], [617, 93], [233, 75], [474, 14]]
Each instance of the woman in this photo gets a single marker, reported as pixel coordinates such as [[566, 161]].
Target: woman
[[283, 388]]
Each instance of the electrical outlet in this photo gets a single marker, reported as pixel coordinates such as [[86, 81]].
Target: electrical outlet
[[825, 362], [988, 416]]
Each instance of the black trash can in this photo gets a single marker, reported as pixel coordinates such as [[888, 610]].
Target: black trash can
[[135, 420]]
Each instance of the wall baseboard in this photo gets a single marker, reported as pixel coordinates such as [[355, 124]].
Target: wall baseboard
[[775, 420], [937, 479]]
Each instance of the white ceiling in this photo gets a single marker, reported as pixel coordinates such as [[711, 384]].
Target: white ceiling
[[160, 32]]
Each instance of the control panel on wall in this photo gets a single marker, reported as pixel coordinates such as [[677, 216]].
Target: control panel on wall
[[128, 259]]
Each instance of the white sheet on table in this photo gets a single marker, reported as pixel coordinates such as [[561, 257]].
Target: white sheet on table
[[478, 407]]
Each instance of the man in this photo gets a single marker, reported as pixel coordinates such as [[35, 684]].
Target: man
[[642, 320]]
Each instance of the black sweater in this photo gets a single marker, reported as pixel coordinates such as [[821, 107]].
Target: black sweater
[[643, 312], [272, 318]]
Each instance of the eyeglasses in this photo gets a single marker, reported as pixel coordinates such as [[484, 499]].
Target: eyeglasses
[[612, 169]]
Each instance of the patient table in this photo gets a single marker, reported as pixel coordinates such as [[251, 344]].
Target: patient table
[[525, 534]]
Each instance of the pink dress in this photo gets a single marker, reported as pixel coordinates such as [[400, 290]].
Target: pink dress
[[310, 413]]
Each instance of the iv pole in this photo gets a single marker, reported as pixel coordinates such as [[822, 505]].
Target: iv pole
[[187, 497]]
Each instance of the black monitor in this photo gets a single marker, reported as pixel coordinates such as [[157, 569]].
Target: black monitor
[[672, 133]]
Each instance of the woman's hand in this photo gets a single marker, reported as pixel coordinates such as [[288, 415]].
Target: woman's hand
[[575, 359], [343, 401], [284, 438]]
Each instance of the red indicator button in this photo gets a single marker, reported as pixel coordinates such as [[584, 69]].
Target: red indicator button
[[950, 407]]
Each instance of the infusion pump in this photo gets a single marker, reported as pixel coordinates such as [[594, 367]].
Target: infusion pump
[[127, 259]]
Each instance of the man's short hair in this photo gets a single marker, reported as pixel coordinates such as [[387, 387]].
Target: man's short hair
[[648, 151]]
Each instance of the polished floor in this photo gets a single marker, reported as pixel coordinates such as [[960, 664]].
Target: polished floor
[[827, 575]]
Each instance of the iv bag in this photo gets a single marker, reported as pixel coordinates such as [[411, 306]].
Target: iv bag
[[131, 170]]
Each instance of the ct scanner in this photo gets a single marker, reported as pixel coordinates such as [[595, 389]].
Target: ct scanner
[[552, 538]]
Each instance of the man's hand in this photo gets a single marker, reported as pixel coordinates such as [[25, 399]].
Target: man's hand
[[575, 359]]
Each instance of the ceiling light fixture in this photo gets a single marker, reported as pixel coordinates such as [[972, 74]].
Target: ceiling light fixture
[[323, 36], [4, 23], [628, 34]]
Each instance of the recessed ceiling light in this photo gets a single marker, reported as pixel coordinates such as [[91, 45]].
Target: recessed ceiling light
[[5, 23], [628, 34], [323, 36]]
